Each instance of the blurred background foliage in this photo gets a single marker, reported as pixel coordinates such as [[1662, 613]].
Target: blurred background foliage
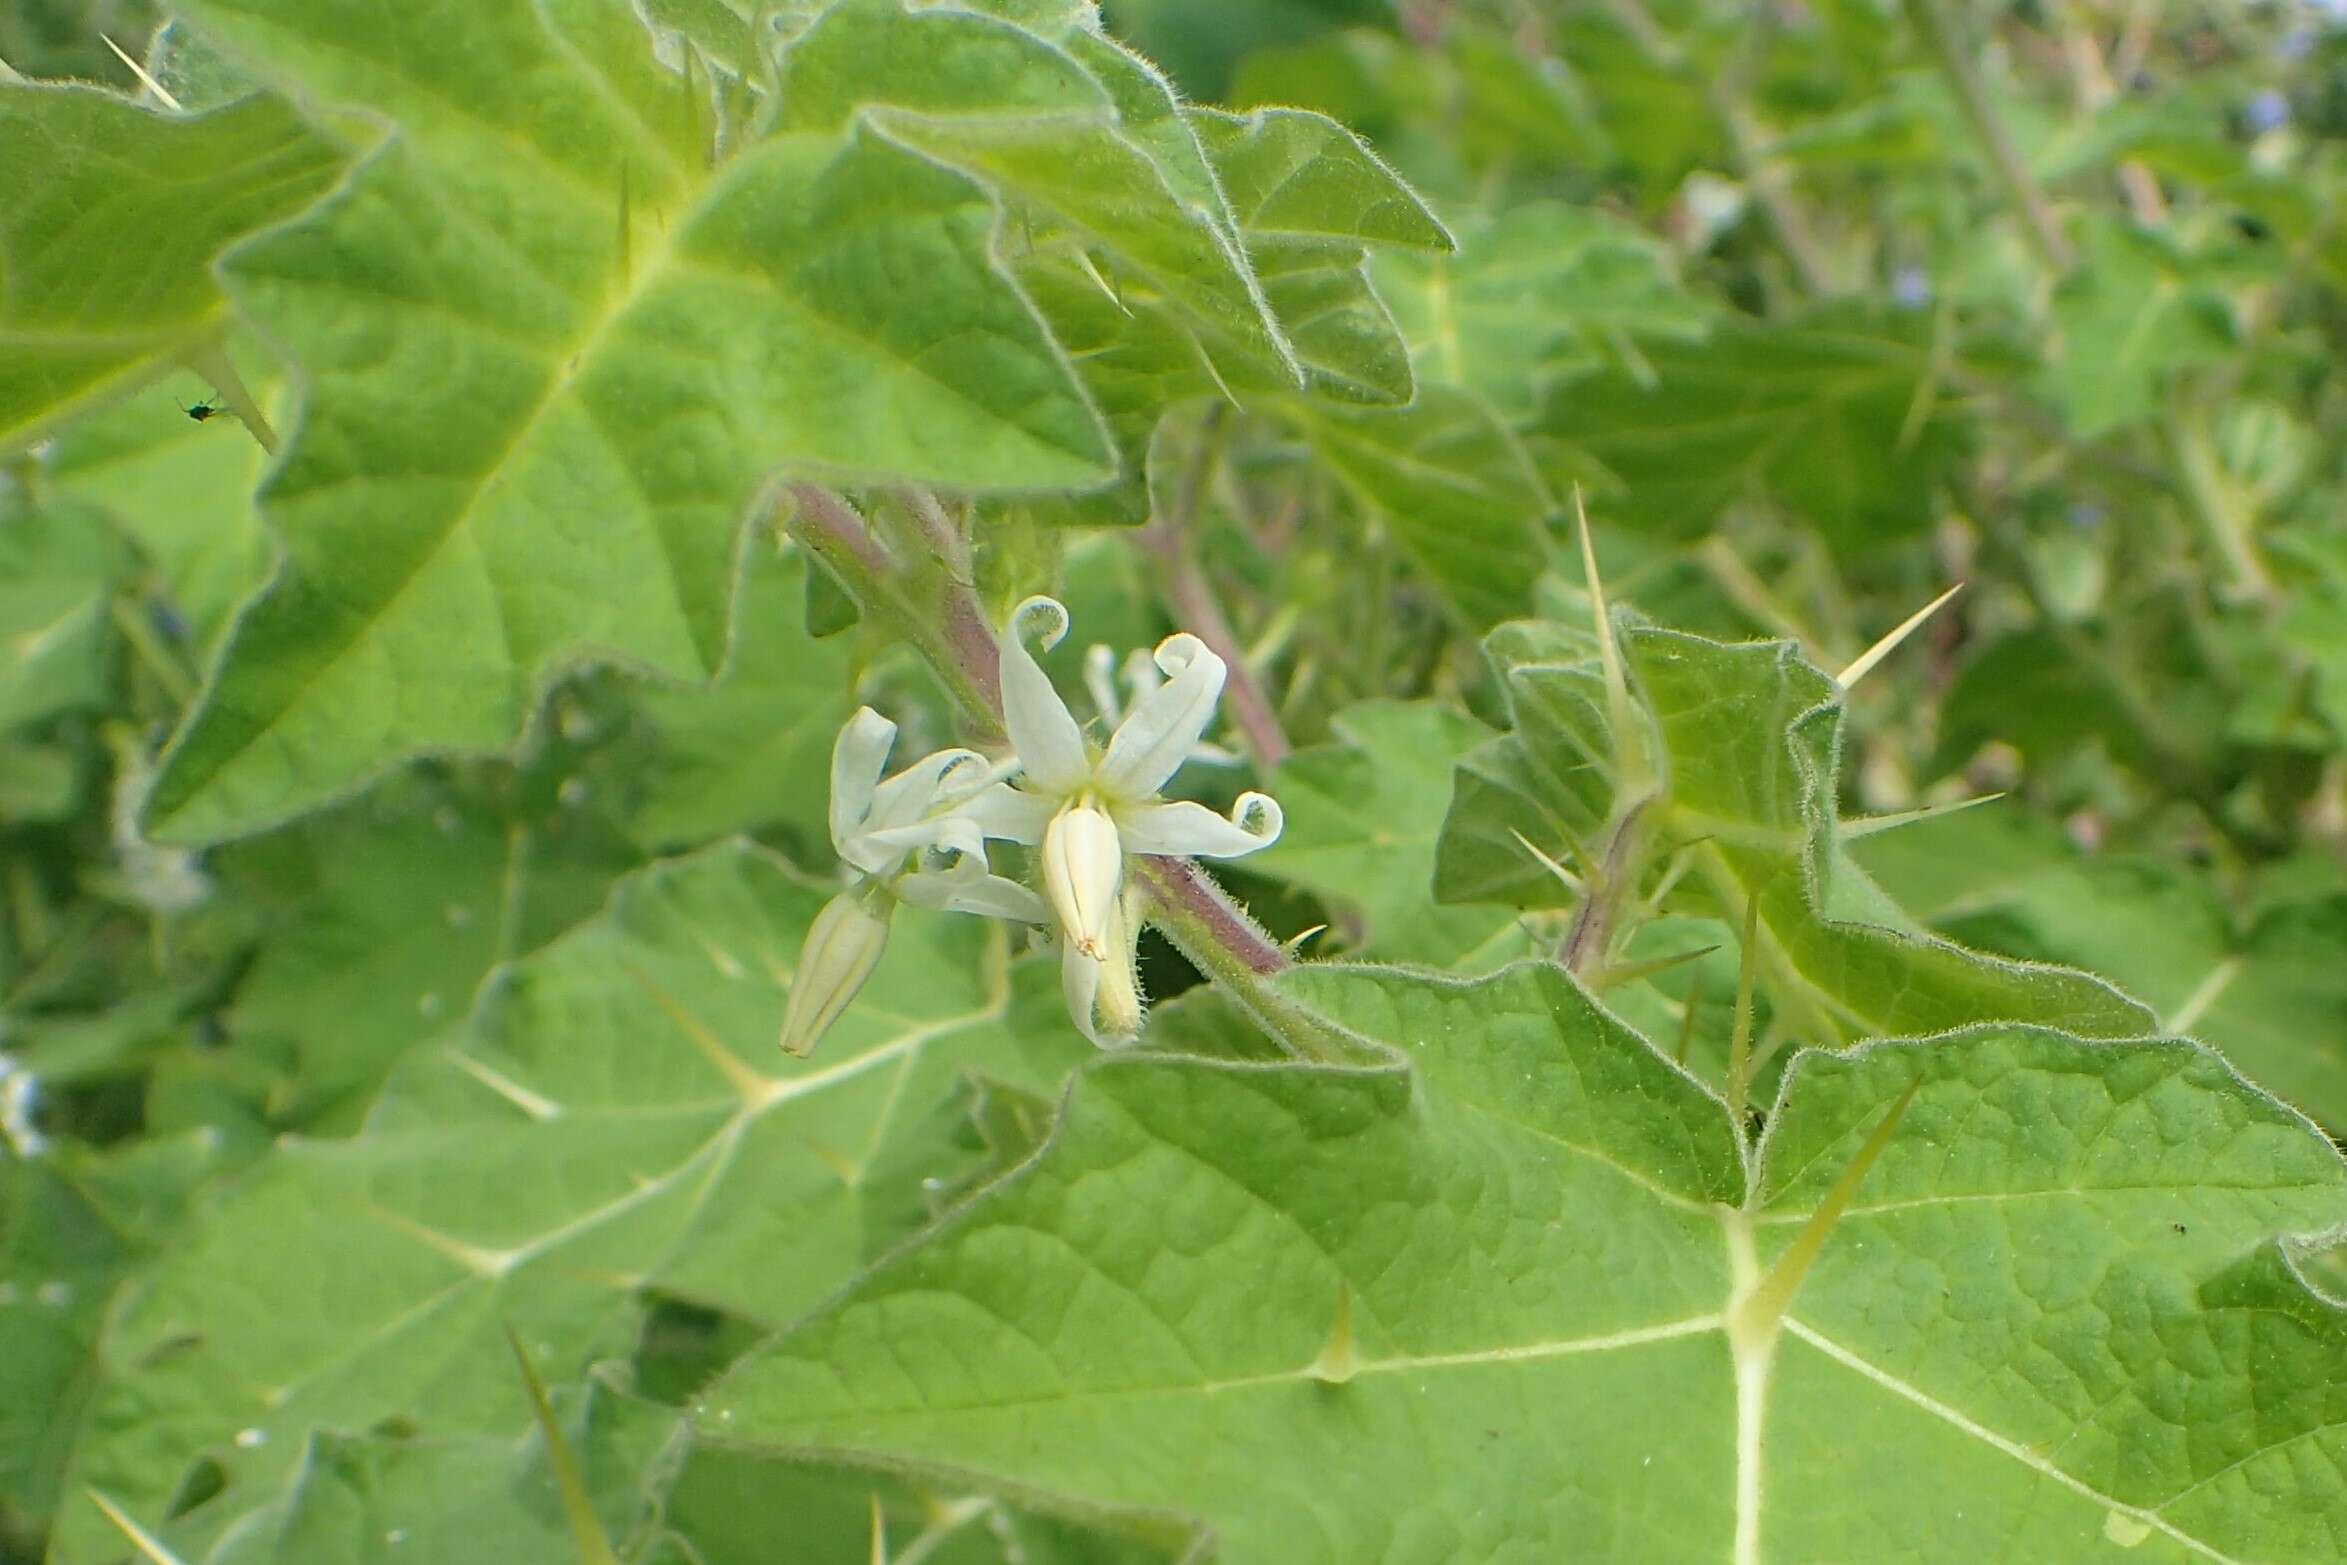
[[1824, 305]]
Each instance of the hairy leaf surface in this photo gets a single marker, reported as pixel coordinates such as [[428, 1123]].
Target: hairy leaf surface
[[1540, 291], [615, 1121], [1476, 1303], [1747, 741], [551, 352], [111, 216]]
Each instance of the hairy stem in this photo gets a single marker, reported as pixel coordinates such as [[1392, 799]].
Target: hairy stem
[[1222, 942], [1189, 598], [1592, 932], [935, 611]]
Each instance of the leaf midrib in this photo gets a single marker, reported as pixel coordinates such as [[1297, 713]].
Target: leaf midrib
[[460, 523]]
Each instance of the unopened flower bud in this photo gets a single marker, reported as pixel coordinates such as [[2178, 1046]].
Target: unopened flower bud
[[1083, 867], [1116, 1009], [843, 946], [1104, 994]]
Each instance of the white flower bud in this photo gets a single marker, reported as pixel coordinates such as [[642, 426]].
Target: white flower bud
[[1083, 867], [843, 946], [1116, 1009], [1104, 994]]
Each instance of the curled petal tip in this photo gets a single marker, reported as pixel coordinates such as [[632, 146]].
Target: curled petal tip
[[1259, 816], [1043, 731], [858, 757], [1039, 605], [1179, 650], [1254, 823]]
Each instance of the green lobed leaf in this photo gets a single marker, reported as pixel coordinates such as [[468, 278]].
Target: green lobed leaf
[[59, 564], [1477, 1302], [111, 217], [730, 1505], [1540, 291], [2265, 987], [1295, 174], [384, 916], [1452, 488], [1029, 120], [551, 353], [1748, 743], [1307, 200], [755, 747], [75, 1223], [184, 491], [381, 1499], [615, 1121], [1833, 420]]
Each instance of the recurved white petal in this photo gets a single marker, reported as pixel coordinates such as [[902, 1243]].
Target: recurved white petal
[[1194, 829], [1045, 733], [857, 759], [881, 852], [967, 888], [1008, 814], [1165, 725], [908, 795], [1083, 868]]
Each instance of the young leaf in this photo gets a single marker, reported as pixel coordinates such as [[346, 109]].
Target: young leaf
[[2060, 1245], [1292, 174], [615, 1119], [58, 567], [1027, 120], [1307, 200], [1313, 203], [1750, 741], [111, 216]]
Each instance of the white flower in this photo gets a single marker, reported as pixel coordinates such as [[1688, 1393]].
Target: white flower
[[1141, 676], [887, 832], [1088, 807]]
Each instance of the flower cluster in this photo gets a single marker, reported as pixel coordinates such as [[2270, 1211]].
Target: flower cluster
[[920, 836]]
